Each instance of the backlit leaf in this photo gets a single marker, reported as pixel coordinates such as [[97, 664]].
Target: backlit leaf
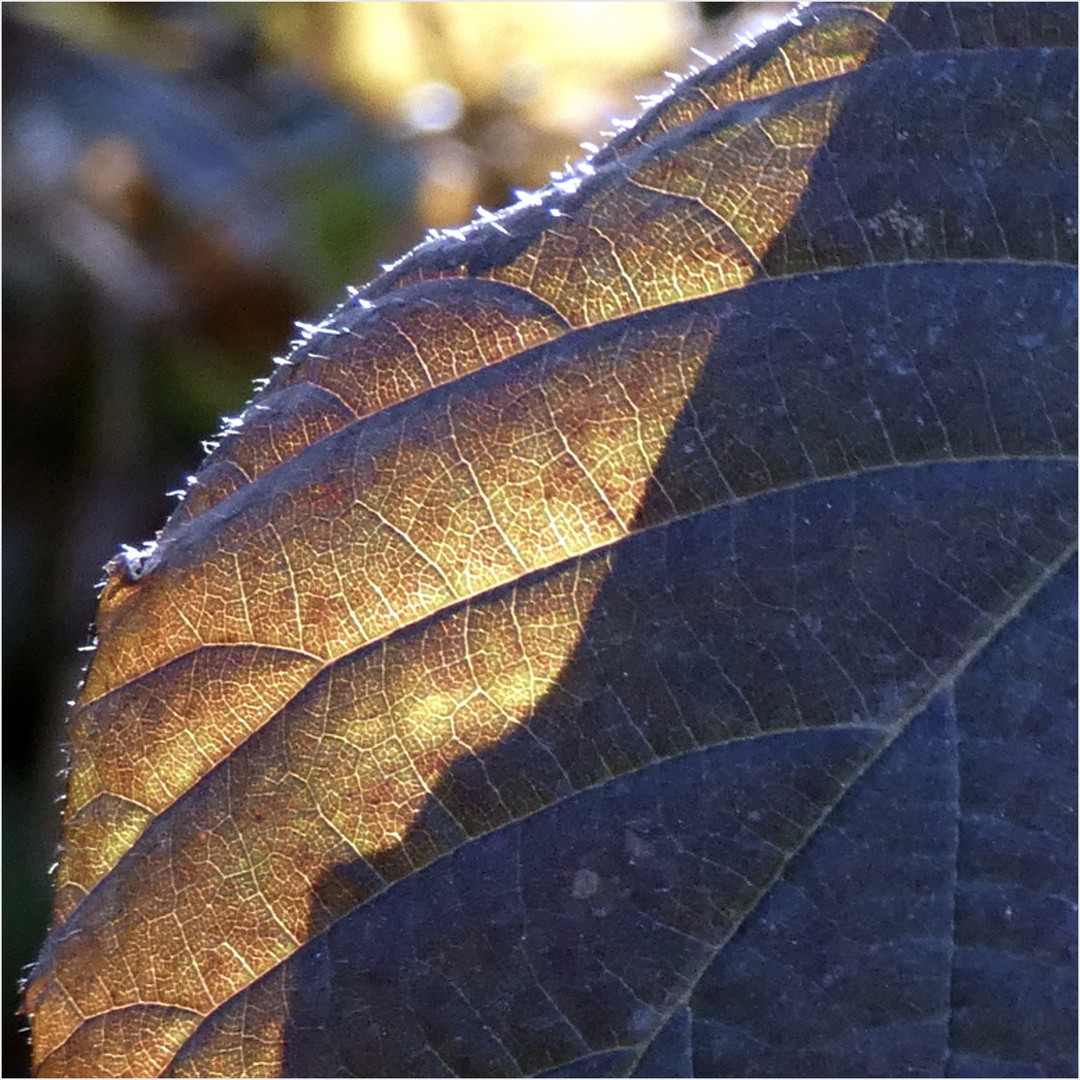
[[634, 635]]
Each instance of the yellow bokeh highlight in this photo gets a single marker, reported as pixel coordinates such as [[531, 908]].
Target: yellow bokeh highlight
[[549, 54]]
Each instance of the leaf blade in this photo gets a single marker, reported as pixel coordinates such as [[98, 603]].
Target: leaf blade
[[493, 576]]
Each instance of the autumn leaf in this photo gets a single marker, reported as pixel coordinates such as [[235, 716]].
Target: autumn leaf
[[635, 635]]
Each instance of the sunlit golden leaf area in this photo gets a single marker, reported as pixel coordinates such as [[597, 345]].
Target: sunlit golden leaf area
[[290, 606], [174, 199]]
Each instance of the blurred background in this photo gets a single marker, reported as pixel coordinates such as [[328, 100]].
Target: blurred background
[[182, 181]]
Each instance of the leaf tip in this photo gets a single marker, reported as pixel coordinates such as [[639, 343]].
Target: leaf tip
[[132, 564]]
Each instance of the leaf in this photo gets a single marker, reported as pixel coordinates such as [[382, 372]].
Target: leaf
[[634, 635]]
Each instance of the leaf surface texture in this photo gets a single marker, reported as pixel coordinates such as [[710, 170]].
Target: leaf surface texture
[[634, 635]]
